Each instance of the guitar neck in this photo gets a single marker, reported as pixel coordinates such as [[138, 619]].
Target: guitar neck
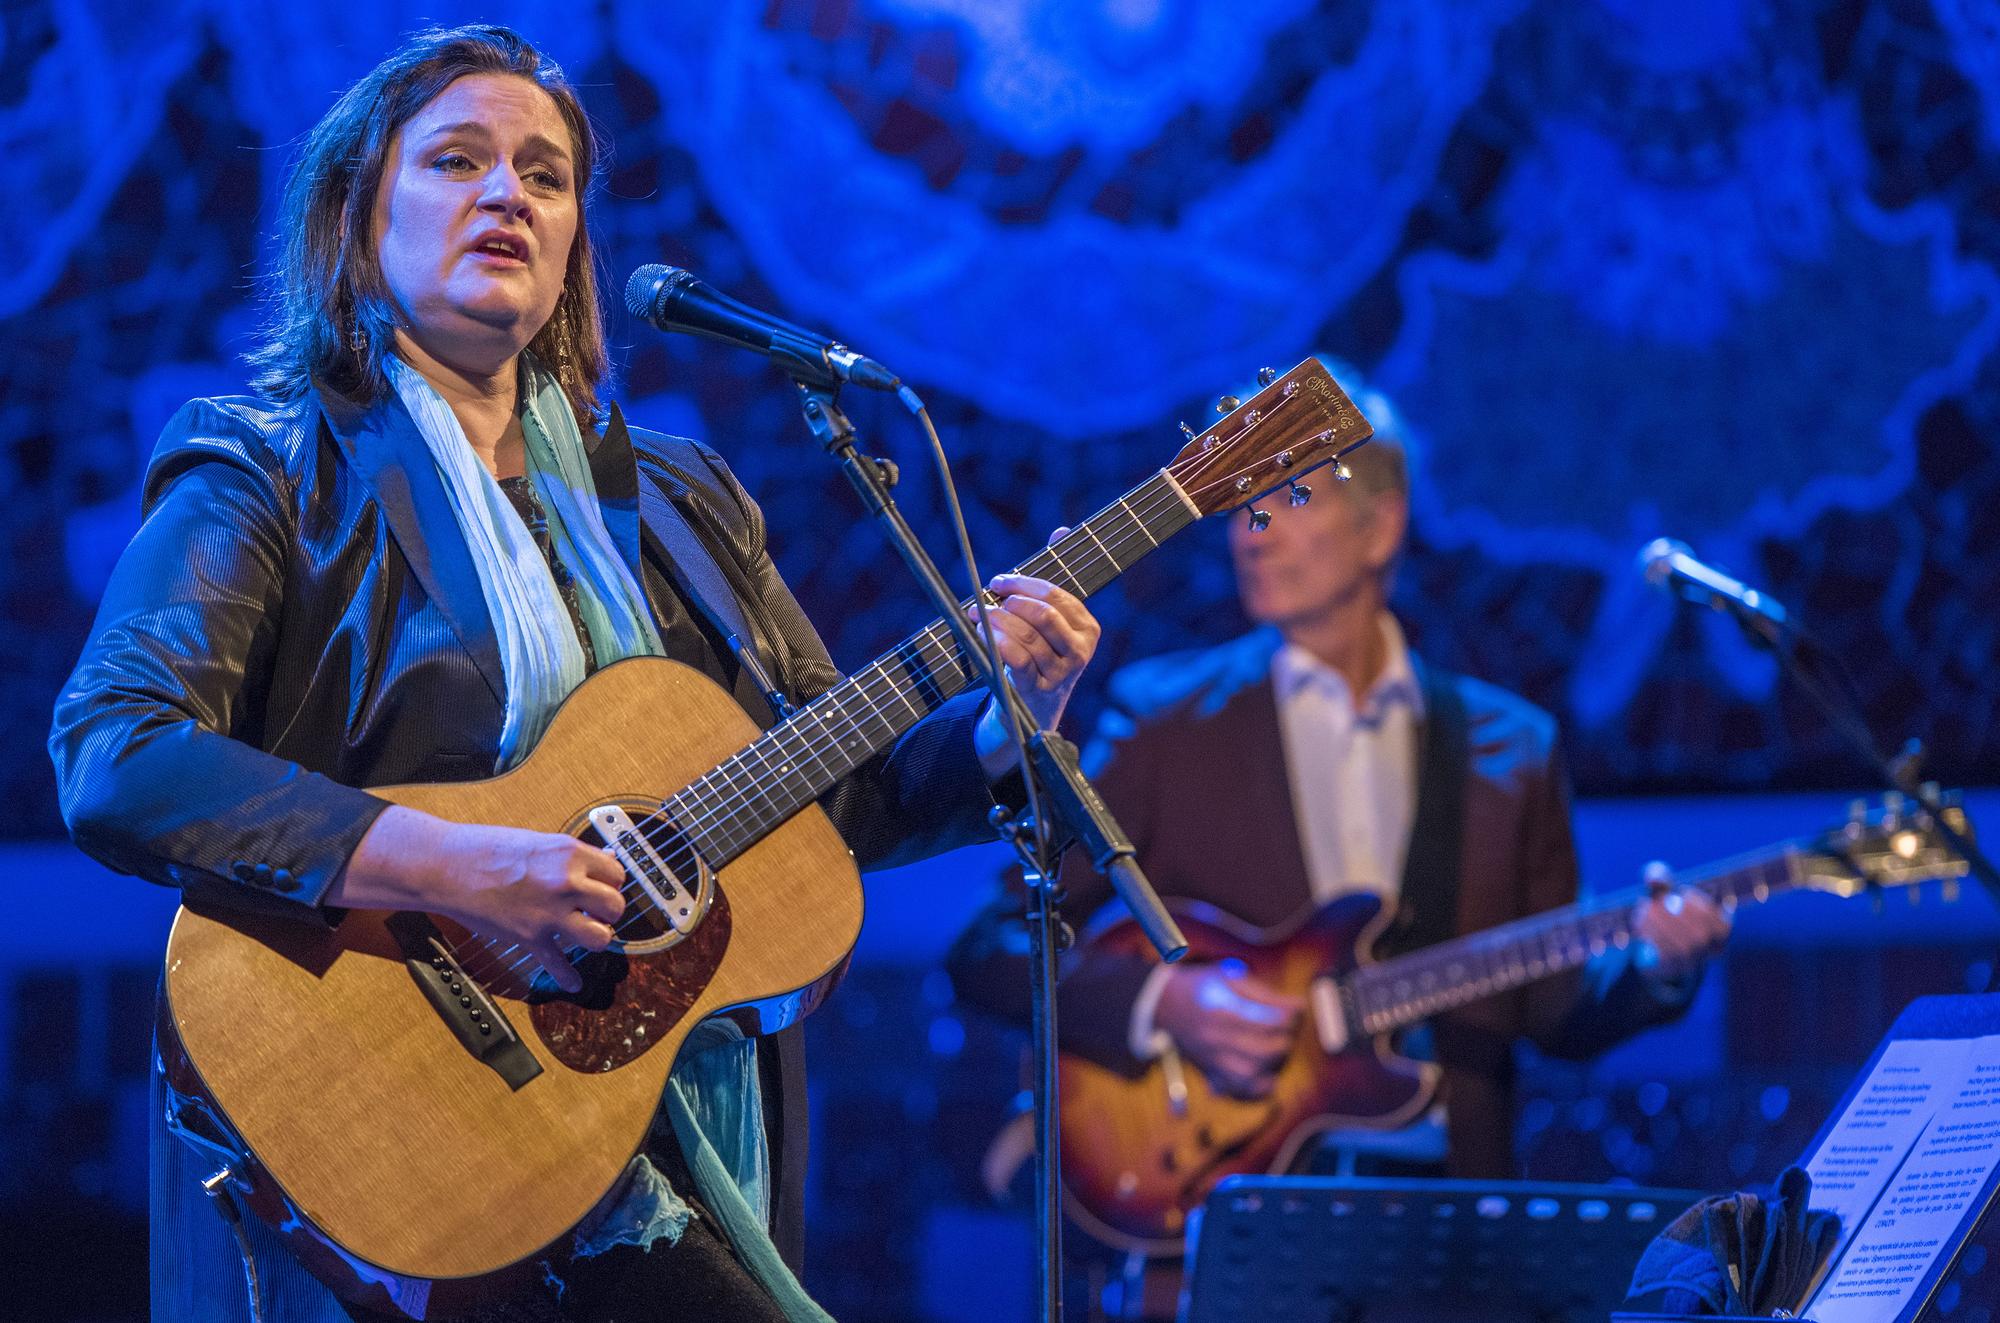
[[1399, 992], [744, 799]]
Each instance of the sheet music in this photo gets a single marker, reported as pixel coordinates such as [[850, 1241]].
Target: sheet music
[[1903, 1167]]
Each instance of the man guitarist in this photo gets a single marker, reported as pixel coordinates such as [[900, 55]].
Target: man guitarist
[[1315, 756]]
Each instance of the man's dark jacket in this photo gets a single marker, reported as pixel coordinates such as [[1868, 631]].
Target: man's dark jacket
[[299, 617], [1190, 757]]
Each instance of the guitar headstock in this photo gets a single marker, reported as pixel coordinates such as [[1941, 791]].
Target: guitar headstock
[[1292, 425], [1890, 843]]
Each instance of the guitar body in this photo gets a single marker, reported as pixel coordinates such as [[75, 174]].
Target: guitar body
[[1134, 1164], [382, 1146]]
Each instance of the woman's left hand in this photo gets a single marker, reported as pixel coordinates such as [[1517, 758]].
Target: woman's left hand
[[1046, 636]]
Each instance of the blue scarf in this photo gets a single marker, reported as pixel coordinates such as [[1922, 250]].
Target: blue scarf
[[713, 1099]]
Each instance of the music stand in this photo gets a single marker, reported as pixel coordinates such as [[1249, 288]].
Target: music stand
[[1353, 1250]]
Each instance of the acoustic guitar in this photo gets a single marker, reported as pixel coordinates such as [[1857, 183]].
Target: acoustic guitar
[[1141, 1152], [420, 1118]]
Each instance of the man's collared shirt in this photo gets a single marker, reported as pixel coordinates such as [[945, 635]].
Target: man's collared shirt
[[1352, 767]]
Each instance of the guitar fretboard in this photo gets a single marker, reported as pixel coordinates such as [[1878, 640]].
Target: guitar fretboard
[[745, 798], [1401, 991]]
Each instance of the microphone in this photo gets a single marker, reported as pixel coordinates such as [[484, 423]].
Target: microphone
[[673, 300], [1670, 565]]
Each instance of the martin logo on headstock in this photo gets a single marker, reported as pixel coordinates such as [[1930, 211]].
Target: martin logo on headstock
[[1292, 425]]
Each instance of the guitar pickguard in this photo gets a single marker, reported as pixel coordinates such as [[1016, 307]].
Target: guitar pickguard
[[631, 1002]]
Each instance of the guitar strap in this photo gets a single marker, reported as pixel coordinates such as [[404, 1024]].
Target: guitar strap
[[701, 578], [1428, 909]]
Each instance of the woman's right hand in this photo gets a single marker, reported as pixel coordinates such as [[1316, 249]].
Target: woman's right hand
[[539, 891], [1235, 1026]]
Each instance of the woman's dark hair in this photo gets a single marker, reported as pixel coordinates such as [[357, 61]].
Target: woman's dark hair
[[333, 319]]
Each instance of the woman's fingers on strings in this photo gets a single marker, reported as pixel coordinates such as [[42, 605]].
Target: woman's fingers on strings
[[1008, 629], [601, 865], [1034, 649], [1046, 623], [588, 931], [601, 902], [1009, 587], [549, 954]]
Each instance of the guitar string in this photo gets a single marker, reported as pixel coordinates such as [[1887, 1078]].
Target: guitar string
[[640, 907], [928, 653], [1575, 935], [821, 713], [798, 746], [1209, 458], [1205, 459], [916, 650], [795, 750]]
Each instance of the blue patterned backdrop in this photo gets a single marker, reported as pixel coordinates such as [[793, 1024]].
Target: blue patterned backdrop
[[1721, 269], [1718, 269]]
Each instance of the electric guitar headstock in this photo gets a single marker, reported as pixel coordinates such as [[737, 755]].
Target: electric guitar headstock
[[1293, 424], [1890, 843]]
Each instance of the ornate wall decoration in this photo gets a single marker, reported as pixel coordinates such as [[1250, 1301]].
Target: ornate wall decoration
[[1722, 271]]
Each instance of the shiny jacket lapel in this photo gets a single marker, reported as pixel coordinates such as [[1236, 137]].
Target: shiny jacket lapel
[[692, 563], [389, 455]]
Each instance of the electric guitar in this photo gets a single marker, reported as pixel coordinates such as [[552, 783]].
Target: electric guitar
[[1139, 1153], [420, 1118]]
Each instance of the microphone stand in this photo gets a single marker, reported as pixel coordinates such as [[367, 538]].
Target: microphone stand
[[1062, 806]]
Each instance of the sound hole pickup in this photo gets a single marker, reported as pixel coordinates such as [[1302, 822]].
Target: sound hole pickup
[[675, 900], [462, 1004]]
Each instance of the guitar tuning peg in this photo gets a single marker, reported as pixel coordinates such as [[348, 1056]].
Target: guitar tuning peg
[[1187, 431], [1341, 473], [1227, 404], [1301, 493], [1259, 520], [1266, 375], [1948, 891]]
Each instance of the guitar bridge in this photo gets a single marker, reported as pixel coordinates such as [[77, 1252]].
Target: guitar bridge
[[462, 1004]]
